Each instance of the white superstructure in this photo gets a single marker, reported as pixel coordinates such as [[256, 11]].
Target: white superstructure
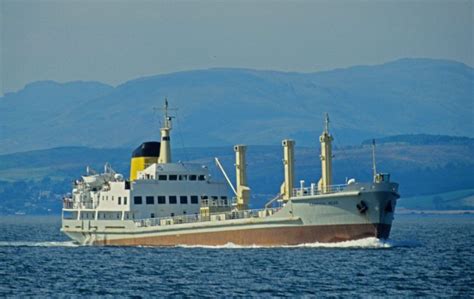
[[162, 189]]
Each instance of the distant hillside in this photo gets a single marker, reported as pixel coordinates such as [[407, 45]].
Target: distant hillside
[[228, 106], [423, 139], [454, 200], [33, 182]]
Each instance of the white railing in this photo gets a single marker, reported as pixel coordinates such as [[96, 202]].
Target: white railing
[[313, 190], [194, 218]]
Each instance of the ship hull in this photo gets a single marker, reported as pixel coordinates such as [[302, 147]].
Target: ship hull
[[323, 218], [262, 236]]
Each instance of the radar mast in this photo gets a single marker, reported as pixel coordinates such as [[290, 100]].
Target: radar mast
[[165, 148]]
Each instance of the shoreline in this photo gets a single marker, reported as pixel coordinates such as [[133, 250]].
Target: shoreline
[[433, 212]]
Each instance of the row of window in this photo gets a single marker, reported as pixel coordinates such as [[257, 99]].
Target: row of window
[[119, 199], [181, 177], [172, 199]]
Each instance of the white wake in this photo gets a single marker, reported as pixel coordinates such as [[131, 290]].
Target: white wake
[[38, 244], [370, 243], [367, 243]]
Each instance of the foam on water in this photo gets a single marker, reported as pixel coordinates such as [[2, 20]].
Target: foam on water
[[369, 243], [38, 244]]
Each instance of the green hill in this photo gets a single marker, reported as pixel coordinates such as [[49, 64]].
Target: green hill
[[455, 200], [34, 181]]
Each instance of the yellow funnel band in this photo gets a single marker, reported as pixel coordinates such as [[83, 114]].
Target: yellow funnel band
[[140, 163]]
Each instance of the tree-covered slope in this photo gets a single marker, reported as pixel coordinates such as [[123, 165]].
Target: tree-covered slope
[[34, 182]]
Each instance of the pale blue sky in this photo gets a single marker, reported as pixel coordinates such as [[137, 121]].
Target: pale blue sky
[[114, 41]]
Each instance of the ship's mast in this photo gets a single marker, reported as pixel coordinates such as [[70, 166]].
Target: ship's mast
[[326, 158], [165, 147], [374, 165]]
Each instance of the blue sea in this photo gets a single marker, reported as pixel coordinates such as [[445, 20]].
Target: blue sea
[[428, 256]]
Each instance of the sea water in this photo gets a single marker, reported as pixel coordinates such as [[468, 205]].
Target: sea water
[[429, 256]]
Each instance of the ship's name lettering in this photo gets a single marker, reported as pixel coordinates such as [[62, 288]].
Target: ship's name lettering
[[324, 203]]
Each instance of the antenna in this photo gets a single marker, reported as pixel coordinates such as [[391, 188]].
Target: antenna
[[374, 165], [165, 147], [326, 123], [167, 117]]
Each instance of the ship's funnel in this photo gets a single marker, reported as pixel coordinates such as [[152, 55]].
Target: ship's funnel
[[288, 161], [143, 156], [326, 158], [243, 191]]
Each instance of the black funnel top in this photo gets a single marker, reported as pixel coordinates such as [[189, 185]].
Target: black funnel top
[[147, 149]]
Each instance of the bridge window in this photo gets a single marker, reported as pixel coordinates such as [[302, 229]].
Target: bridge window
[[192, 177], [172, 199], [162, 177], [202, 177], [183, 199], [150, 200], [161, 199], [194, 199], [137, 200], [173, 177], [183, 177]]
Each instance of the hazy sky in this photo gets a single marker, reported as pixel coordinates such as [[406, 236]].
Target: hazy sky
[[114, 41]]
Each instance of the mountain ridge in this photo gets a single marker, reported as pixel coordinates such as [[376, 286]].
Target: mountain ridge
[[393, 62], [224, 106]]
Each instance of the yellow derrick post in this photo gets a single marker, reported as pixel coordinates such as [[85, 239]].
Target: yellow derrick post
[[326, 158], [243, 191], [286, 189]]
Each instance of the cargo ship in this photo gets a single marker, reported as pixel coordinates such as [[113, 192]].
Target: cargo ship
[[166, 203]]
